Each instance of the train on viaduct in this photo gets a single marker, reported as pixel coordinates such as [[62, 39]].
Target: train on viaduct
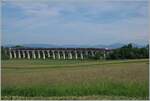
[[56, 53]]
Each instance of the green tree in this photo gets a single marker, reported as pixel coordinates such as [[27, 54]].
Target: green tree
[[4, 53], [18, 46], [129, 52]]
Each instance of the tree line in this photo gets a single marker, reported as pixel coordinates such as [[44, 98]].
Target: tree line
[[129, 52], [125, 52]]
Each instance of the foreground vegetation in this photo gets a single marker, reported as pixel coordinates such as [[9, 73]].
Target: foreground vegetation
[[98, 88], [64, 79]]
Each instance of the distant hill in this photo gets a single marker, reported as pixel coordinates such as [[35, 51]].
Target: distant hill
[[41, 45], [112, 46], [116, 45], [36, 45]]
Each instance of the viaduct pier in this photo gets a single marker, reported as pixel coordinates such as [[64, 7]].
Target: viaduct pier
[[55, 53]]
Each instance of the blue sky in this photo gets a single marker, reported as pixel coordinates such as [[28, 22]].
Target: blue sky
[[78, 22]]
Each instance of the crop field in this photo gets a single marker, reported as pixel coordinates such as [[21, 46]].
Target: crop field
[[75, 79]]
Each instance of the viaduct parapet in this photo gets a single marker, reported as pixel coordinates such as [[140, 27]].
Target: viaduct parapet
[[56, 53]]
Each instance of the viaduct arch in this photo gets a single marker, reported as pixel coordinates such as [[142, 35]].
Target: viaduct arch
[[55, 53]]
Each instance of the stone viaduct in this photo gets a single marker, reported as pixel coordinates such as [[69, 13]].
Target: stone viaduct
[[55, 53]]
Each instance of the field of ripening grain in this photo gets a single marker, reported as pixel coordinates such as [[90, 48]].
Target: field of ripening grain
[[75, 79]]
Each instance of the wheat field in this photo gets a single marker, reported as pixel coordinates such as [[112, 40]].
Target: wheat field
[[75, 79]]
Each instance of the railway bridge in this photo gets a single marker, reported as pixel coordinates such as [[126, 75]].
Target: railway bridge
[[56, 53]]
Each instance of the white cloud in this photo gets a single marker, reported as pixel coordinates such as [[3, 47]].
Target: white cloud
[[48, 16]]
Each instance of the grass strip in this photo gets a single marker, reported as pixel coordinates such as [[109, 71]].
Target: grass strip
[[72, 65], [101, 88]]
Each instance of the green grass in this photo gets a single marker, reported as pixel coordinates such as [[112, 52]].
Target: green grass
[[95, 97], [36, 64], [66, 79], [100, 88]]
